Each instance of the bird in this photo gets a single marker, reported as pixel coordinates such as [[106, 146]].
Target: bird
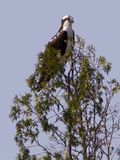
[[62, 41]]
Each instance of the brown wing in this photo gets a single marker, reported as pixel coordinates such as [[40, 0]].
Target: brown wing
[[73, 38], [59, 42]]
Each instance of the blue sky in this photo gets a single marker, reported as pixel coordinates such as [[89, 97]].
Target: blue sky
[[27, 25]]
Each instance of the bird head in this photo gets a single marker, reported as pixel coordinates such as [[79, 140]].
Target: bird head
[[67, 18]]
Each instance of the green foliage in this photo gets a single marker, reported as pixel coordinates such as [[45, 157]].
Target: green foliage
[[106, 66], [24, 154], [49, 64], [73, 108]]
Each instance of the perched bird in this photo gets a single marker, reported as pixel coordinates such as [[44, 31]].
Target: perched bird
[[64, 38], [62, 41]]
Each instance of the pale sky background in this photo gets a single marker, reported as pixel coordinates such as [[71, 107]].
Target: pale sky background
[[27, 25]]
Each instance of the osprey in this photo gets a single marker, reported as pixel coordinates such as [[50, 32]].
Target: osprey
[[64, 38], [62, 41]]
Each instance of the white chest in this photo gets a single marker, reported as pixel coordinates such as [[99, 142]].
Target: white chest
[[70, 39]]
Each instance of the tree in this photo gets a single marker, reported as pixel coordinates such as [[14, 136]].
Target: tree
[[74, 109]]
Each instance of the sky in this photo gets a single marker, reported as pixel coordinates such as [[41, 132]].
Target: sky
[[25, 28]]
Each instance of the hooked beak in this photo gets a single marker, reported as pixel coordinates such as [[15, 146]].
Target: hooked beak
[[71, 20]]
